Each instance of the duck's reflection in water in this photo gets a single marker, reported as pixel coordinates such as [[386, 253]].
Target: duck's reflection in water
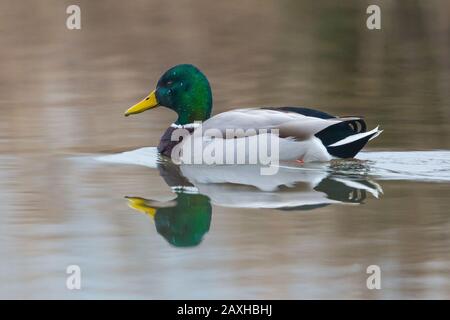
[[184, 220]]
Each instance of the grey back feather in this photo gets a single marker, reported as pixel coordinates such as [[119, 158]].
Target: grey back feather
[[249, 122]]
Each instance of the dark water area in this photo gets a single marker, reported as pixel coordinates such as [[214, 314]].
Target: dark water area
[[310, 232]]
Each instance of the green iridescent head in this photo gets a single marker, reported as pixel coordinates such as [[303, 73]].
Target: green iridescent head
[[185, 90]]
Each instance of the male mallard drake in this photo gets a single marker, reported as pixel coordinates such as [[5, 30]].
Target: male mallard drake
[[304, 134]]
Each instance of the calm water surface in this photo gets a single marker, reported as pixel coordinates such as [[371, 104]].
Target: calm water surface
[[309, 233]]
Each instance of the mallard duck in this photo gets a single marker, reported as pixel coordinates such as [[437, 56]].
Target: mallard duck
[[303, 134]]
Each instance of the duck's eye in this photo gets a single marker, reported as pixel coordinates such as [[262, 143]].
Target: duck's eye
[[169, 91]]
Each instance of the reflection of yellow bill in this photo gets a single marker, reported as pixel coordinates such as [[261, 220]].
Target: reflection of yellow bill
[[141, 205], [149, 102]]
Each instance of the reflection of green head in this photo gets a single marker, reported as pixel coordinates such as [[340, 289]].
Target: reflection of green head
[[182, 225], [185, 224]]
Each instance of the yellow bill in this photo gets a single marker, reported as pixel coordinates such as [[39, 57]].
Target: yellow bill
[[141, 205], [149, 102]]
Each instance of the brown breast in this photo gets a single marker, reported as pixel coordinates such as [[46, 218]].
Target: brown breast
[[166, 144]]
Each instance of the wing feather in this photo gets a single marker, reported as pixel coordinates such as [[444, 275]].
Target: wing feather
[[247, 122]]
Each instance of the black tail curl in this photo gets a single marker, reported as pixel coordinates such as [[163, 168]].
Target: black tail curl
[[336, 132]]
